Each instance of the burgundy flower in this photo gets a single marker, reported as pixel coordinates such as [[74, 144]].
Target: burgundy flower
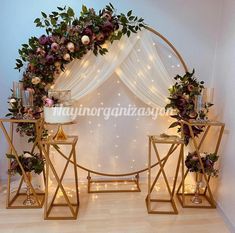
[[100, 37], [190, 87], [52, 38], [43, 39], [107, 27], [88, 32], [49, 58]]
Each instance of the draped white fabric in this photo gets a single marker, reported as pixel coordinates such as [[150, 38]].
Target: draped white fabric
[[135, 60]]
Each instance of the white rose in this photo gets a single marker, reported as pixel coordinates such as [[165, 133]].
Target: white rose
[[36, 80], [66, 57], [85, 40], [27, 155], [12, 102], [70, 47]]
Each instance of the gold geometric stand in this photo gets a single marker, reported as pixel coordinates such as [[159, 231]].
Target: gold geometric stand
[[174, 143], [15, 198], [206, 194], [134, 181], [62, 205]]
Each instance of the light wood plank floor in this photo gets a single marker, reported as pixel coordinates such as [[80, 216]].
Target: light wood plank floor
[[112, 213]]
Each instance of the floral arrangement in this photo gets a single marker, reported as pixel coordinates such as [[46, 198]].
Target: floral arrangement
[[193, 164], [31, 163], [182, 99], [66, 38]]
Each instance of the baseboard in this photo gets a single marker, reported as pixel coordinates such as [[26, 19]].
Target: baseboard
[[226, 219]]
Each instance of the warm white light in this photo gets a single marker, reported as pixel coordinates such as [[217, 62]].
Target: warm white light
[[98, 93], [116, 146], [86, 64], [81, 105], [134, 140], [101, 103], [178, 65], [154, 44], [116, 156], [67, 72], [99, 125], [170, 56], [151, 58], [139, 50], [117, 136], [149, 67], [172, 66], [118, 104], [118, 81], [98, 71], [138, 37], [99, 165], [119, 94], [138, 60], [152, 80]]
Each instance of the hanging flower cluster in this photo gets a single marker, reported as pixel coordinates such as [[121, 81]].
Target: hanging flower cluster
[[68, 37], [30, 162], [183, 100], [208, 160]]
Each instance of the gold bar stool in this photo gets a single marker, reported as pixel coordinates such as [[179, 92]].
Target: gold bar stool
[[60, 191], [174, 142]]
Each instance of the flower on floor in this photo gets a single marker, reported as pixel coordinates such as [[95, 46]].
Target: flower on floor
[[208, 160], [31, 162]]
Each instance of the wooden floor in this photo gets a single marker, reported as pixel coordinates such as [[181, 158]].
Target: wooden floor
[[112, 213]]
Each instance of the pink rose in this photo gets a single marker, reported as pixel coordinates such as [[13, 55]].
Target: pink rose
[[48, 102]]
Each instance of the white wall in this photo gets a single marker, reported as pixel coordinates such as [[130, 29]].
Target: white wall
[[224, 83]]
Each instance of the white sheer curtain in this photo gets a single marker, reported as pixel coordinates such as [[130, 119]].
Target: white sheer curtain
[[135, 60]]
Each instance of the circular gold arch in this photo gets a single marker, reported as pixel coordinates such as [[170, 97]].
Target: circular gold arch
[[154, 165]]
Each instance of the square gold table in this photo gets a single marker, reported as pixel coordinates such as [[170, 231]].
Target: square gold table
[[12, 198], [197, 145], [68, 203], [174, 142]]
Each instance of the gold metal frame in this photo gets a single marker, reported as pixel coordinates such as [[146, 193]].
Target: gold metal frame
[[134, 181], [175, 143], [134, 173], [207, 194], [38, 196], [73, 207]]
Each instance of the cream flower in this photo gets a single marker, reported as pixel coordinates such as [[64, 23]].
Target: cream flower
[[36, 80], [27, 155], [66, 57], [70, 47], [85, 40]]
